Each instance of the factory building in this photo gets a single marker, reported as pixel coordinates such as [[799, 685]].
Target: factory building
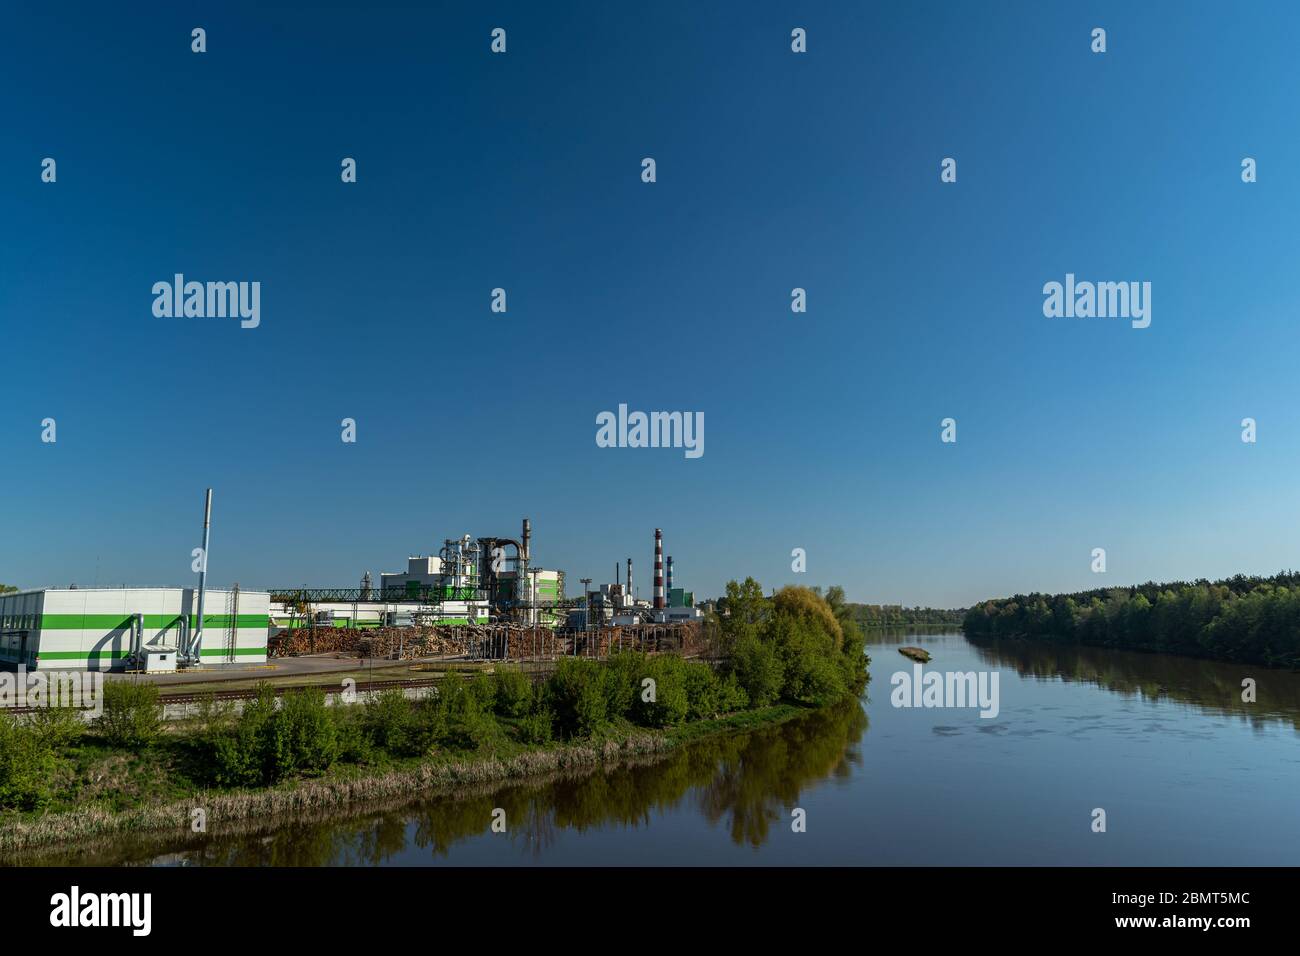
[[136, 628], [615, 604], [470, 581], [423, 573]]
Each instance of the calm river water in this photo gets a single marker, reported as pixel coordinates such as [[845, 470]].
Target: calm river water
[[1186, 772]]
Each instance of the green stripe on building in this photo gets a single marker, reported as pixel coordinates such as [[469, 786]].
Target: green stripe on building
[[96, 655], [113, 622]]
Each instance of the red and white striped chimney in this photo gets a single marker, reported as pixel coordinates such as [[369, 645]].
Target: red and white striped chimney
[[670, 577], [659, 568]]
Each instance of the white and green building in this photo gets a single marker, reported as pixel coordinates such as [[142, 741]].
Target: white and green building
[[101, 628]]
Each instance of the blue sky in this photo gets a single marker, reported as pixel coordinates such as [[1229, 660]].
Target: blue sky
[[775, 170]]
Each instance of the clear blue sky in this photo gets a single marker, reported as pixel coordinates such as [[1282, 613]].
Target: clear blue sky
[[775, 170]]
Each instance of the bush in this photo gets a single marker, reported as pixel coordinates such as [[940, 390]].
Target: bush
[[535, 728], [132, 714], [453, 696], [268, 743], [513, 696], [460, 717], [623, 682], [703, 691], [27, 764], [854, 662], [483, 689], [810, 659], [577, 696], [758, 670], [669, 704], [387, 721], [355, 745], [214, 715], [731, 696], [306, 736], [427, 728], [57, 727]]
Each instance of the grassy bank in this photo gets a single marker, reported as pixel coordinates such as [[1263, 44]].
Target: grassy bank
[[348, 786]]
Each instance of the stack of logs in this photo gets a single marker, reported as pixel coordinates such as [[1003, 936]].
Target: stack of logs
[[486, 641]]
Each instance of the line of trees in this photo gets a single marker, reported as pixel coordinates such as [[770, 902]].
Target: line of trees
[[797, 645], [895, 615], [1250, 619]]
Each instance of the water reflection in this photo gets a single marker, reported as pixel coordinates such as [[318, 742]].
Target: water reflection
[[1211, 686], [1162, 741], [744, 782]]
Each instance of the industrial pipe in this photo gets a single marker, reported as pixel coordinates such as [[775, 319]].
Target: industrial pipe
[[196, 645], [659, 569]]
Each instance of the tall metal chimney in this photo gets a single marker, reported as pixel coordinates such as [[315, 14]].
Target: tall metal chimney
[[670, 577], [196, 643], [630, 593], [659, 568], [527, 538]]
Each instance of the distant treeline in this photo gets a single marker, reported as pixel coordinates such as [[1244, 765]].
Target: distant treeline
[[895, 615], [892, 615], [1248, 619]]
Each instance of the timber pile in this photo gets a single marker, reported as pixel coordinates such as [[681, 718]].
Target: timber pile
[[364, 642], [491, 641]]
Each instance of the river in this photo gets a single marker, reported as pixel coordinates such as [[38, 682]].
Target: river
[[1186, 773]]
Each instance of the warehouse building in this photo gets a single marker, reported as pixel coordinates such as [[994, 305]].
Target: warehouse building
[[137, 628]]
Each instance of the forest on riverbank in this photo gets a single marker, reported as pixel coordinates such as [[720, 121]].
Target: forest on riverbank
[[1247, 619]]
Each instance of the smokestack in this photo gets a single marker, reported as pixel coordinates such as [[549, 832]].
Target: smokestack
[[527, 538], [670, 577], [630, 594], [659, 568], [196, 642]]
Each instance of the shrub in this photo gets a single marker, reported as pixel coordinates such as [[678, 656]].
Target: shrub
[[810, 659], [854, 662], [460, 718], [669, 705], [731, 696], [453, 696], [132, 713], [267, 744], [623, 682], [513, 692], [576, 694], [27, 764], [306, 735], [758, 670], [387, 721], [427, 728], [703, 691], [535, 728], [483, 689], [355, 745], [214, 715], [57, 727]]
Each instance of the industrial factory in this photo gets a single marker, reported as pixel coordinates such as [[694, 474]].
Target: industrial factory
[[485, 581], [617, 604], [149, 629]]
